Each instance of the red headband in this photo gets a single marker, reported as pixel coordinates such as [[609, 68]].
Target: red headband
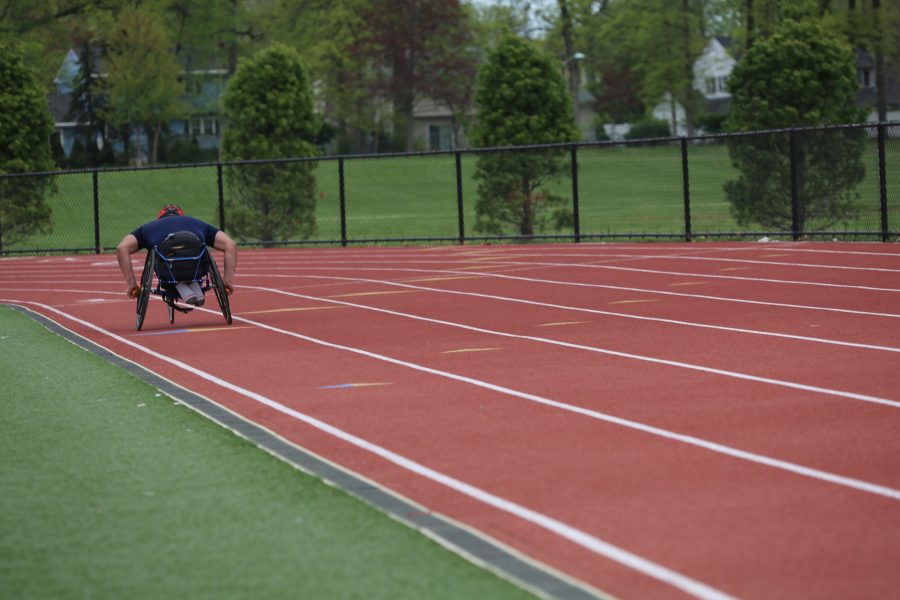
[[169, 209]]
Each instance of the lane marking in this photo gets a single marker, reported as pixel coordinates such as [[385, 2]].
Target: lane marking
[[578, 284], [447, 278], [631, 301], [577, 536], [349, 385], [559, 323], [608, 352], [279, 310], [631, 316], [684, 283], [470, 350], [382, 293], [187, 330]]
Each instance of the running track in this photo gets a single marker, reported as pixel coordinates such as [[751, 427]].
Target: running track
[[637, 421]]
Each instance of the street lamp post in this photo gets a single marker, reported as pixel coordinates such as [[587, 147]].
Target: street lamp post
[[574, 80]]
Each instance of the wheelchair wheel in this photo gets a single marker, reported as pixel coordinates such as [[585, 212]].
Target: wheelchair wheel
[[219, 286], [144, 295]]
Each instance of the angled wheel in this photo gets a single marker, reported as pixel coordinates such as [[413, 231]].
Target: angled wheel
[[144, 294], [218, 285]]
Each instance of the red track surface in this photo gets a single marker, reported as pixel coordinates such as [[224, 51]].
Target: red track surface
[[650, 419]]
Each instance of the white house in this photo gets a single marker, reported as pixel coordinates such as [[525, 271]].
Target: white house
[[711, 73]]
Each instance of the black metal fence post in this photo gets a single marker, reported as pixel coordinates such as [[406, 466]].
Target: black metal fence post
[[795, 192], [576, 217], [686, 188], [343, 202], [221, 191], [882, 182], [459, 199], [96, 186]]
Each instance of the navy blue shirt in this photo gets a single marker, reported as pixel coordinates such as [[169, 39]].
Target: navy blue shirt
[[153, 233]]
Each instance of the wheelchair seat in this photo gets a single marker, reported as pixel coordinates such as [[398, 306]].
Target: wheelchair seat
[[181, 258]]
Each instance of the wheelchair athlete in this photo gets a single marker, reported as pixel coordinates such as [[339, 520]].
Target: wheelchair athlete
[[172, 220]]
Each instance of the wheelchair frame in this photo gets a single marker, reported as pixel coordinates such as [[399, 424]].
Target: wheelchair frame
[[210, 280]]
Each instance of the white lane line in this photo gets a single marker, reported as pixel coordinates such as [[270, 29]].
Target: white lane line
[[706, 275], [585, 540], [269, 274], [613, 314], [638, 357], [605, 256], [761, 262]]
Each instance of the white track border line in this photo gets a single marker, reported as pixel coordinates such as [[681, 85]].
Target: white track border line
[[585, 540], [507, 262], [594, 285], [604, 312], [638, 357], [735, 260]]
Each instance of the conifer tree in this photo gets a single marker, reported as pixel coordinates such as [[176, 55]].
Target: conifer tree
[[521, 99], [269, 111]]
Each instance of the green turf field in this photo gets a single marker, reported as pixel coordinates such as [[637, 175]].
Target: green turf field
[[622, 190], [110, 489]]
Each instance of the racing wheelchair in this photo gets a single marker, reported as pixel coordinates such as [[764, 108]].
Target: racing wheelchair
[[180, 258]]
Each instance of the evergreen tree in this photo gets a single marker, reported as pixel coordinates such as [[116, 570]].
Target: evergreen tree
[[521, 99], [25, 130], [270, 115], [799, 76]]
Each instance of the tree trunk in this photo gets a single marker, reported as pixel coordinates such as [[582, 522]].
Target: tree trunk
[[880, 83], [153, 142], [748, 7]]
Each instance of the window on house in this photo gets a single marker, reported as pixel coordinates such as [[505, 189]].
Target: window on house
[[865, 77], [710, 85], [203, 126], [439, 137]]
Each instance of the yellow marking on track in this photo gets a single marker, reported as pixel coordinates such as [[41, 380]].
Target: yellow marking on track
[[277, 310], [470, 350], [202, 329], [687, 283], [441, 278], [372, 293], [484, 266], [631, 301], [736, 269], [559, 323]]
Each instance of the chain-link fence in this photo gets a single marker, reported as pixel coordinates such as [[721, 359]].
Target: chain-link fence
[[838, 182]]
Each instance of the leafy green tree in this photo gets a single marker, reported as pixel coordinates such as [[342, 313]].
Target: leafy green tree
[[630, 36], [269, 112], [521, 99], [799, 76], [415, 48], [143, 76], [25, 130]]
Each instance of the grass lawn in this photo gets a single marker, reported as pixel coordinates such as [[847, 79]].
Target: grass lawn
[[112, 490], [622, 189]]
